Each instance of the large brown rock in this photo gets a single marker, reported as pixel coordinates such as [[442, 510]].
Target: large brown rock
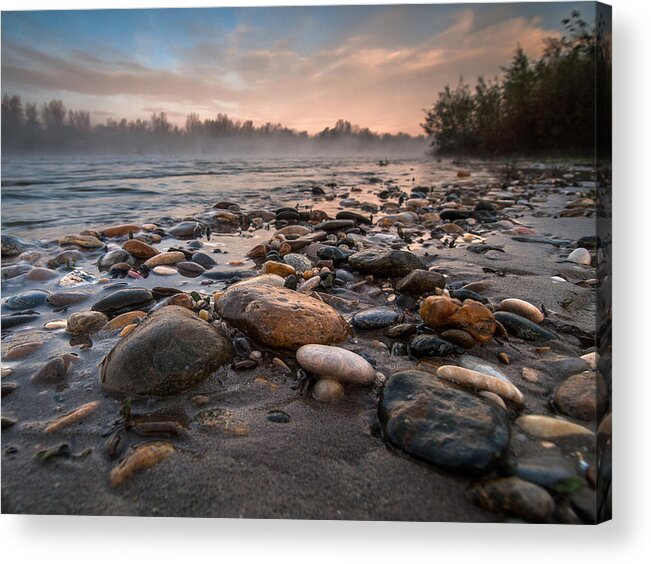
[[281, 318], [442, 313], [171, 351]]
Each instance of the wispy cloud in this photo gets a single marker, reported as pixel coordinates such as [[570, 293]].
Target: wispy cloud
[[378, 75]]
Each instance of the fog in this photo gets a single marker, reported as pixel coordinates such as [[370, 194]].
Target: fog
[[53, 128]]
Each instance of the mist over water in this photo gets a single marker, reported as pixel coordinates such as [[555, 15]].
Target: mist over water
[[47, 196]]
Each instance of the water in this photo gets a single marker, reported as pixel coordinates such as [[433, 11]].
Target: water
[[45, 197]]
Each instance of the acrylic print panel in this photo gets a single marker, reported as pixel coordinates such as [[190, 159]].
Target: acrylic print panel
[[245, 274]]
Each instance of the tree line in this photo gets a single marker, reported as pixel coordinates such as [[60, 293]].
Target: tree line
[[544, 106], [53, 128]]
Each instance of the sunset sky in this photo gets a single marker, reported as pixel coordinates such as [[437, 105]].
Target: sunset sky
[[376, 66]]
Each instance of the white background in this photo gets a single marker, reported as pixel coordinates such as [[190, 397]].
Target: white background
[[50, 540]]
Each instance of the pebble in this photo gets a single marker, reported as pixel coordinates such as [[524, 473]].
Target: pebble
[[190, 269], [139, 365], [54, 370], [77, 278], [142, 457], [85, 322], [110, 259], [582, 396], [580, 256], [430, 345], [327, 390], [140, 249], [83, 241], [518, 326], [375, 318], [56, 324], [522, 308], [187, 230], [261, 280], [490, 396], [401, 330], [164, 270], [26, 300], [12, 246], [123, 300], [278, 416], [545, 471], [480, 365], [515, 497], [442, 313], [165, 259], [204, 260], [421, 282], [386, 263], [121, 321], [459, 338], [443, 425], [281, 318], [22, 350], [545, 427], [477, 381], [41, 274], [119, 230], [278, 268], [73, 417], [300, 263], [15, 270], [336, 363], [16, 319], [65, 299]]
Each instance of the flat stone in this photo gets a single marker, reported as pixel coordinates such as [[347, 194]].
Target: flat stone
[[26, 300], [85, 322], [107, 260], [83, 241], [478, 381], [582, 396], [281, 318], [123, 300], [375, 318], [515, 497], [522, 308], [65, 299], [523, 328], [140, 249], [77, 278], [430, 345], [545, 427], [171, 257], [119, 230], [580, 256], [335, 363], [421, 282], [545, 471], [273, 267], [170, 352], [386, 263], [448, 427]]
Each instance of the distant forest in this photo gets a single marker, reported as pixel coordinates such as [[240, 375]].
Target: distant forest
[[54, 128], [537, 107]]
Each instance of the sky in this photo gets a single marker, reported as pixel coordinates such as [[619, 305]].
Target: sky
[[304, 67]]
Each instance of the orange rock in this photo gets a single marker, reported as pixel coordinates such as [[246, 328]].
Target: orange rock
[[118, 230], [442, 313], [140, 249]]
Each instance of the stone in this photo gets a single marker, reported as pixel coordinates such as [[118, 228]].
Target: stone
[[15, 270], [119, 230], [281, 318], [294, 230], [187, 230], [204, 259], [335, 363], [126, 299], [26, 300], [545, 471], [41, 274], [165, 270], [375, 318], [582, 396], [430, 345], [171, 257], [12, 246], [54, 370], [140, 249], [522, 308], [580, 256], [110, 259], [335, 254], [545, 427], [327, 390], [477, 381], [16, 319], [401, 330], [480, 365], [515, 497], [518, 326], [386, 263], [65, 299], [421, 282], [22, 350], [261, 280], [441, 313], [300, 263], [272, 267], [121, 321], [335, 225], [76, 278], [459, 338], [566, 366], [170, 352], [85, 322], [189, 268], [83, 241], [442, 425]]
